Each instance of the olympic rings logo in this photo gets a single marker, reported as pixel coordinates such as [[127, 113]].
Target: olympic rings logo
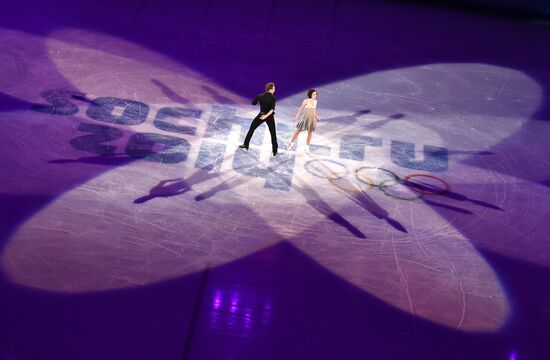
[[365, 178]]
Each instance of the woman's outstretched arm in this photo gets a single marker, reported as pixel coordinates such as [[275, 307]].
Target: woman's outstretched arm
[[299, 110]]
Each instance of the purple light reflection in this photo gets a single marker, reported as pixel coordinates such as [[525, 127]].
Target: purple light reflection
[[239, 310], [234, 302], [217, 300]]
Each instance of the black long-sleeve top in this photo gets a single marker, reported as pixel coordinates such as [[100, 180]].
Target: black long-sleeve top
[[267, 102]]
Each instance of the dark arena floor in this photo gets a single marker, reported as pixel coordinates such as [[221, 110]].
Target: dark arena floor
[[133, 227]]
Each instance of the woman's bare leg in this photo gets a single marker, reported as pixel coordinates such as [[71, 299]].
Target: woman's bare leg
[[296, 133], [309, 134]]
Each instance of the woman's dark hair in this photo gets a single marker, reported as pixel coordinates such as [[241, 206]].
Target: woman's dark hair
[[310, 93], [269, 86]]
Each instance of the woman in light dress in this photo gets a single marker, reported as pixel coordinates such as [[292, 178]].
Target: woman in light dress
[[308, 121]]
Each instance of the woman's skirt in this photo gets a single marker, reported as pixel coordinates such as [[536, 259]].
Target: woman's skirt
[[307, 123]]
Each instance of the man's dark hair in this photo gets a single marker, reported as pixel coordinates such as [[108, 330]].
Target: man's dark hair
[[269, 86], [310, 93]]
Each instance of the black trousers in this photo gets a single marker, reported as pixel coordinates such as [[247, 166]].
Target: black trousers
[[270, 121]]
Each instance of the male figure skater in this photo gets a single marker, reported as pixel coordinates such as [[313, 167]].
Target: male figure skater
[[267, 114]]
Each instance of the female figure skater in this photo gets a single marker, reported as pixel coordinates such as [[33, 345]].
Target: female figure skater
[[308, 121]]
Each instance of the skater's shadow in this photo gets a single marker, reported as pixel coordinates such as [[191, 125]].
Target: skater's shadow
[[446, 206], [170, 94], [106, 159], [83, 98], [228, 184], [469, 152], [380, 123], [10, 103], [430, 189], [218, 98], [173, 187], [362, 199], [317, 203], [346, 119]]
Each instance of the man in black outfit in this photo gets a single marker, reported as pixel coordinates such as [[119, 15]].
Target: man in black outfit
[[267, 114]]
